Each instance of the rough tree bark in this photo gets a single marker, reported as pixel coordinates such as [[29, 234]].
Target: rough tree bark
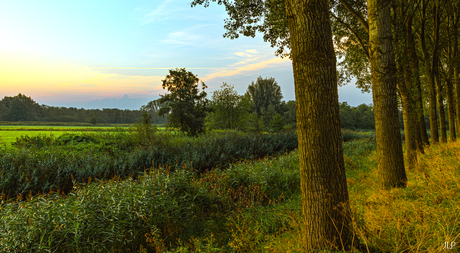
[[415, 72], [325, 205], [442, 114], [451, 106], [384, 79], [429, 64], [405, 85]]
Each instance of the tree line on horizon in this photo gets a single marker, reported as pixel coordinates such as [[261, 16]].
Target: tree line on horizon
[[24, 108], [228, 110]]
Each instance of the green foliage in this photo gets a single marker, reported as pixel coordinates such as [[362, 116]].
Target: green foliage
[[23, 108], [289, 113], [229, 110], [360, 117], [93, 120], [348, 135], [19, 108], [185, 105], [42, 163], [240, 208], [107, 216], [160, 208], [277, 124], [265, 92], [145, 132], [152, 108], [256, 124]]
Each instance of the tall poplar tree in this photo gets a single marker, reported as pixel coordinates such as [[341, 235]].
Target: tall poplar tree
[[384, 80], [322, 172], [325, 202], [379, 43]]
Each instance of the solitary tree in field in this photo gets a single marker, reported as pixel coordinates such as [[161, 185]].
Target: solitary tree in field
[[324, 190], [185, 105]]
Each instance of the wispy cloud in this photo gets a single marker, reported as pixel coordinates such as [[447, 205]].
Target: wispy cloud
[[142, 68], [244, 69], [247, 53], [189, 37], [250, 61], [161, 12]]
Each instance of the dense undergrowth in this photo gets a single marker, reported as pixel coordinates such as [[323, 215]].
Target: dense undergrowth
[[41, 163], [160, 208], [181, 211], [251, 206], [44, 162]]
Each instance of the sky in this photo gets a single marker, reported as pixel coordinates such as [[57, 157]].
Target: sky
[[114, 54]]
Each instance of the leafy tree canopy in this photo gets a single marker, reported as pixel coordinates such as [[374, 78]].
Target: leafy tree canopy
[[185, 105], [230, 110], [263, 93]]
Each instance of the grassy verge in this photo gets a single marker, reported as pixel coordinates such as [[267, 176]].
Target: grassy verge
[[420, 218]]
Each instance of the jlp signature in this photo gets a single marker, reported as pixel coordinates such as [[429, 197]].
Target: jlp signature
[[448, 245]]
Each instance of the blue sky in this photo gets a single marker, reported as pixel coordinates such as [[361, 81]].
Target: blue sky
[[92, 53]]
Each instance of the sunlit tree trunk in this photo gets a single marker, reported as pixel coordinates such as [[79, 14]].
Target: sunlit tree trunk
[[383, 69], [405, 84], [325, 203]]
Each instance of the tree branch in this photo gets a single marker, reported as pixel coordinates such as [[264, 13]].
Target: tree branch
[[355, 14], [366, 51]]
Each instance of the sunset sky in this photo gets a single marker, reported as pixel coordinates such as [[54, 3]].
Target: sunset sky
[[68, 53]]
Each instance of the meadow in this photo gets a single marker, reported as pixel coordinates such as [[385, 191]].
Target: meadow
[[10, 132], [144, 191]]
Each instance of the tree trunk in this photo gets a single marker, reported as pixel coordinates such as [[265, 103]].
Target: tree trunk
[[384, 79], [421, 116], [415, 72], [442, 114], [325, 202], [429, 68], [457, 92], [411, 78], [405, 91], [451, 107], [409, 118]]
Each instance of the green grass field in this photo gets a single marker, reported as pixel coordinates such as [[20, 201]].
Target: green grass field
[[9, 133]]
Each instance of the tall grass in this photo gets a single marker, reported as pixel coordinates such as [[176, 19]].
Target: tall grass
[[420, 218], [43, 162], [160, 210]]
